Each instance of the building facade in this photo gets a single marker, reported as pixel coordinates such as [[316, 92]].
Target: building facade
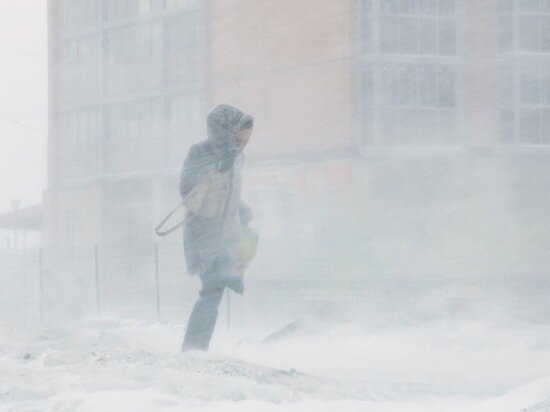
[[359, 104], [126, 93]]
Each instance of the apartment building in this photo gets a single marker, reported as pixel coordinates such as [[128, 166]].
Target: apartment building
[[353, 100]]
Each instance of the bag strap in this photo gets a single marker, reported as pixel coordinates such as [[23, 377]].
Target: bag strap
[[158, 230], [166, 232], [218, 163]]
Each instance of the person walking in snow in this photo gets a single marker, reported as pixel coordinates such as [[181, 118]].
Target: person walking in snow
[[210, 186]]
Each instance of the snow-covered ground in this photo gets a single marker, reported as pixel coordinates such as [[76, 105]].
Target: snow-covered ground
[[107, 364]]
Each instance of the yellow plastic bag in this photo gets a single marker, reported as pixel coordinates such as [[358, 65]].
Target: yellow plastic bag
[[248, 249]]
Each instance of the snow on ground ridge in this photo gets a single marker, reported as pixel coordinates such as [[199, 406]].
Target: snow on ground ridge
[[103, 364], [97, 358]]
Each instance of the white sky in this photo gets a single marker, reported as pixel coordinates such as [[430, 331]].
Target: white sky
[[23, 99]]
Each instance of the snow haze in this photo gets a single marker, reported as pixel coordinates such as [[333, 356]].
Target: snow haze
[[395, 181]]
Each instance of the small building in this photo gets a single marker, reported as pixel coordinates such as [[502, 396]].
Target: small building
[[22, 228]]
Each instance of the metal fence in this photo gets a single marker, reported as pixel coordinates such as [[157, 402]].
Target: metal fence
[[150, 282]]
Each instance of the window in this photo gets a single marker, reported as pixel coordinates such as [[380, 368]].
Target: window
[[533, 25], [367, 103], [403, 101], [506, 18], [446, 87], [505, 6], [127, 213], [524, 105], [134, 135], [180, 3], [427, 34], [132, 58], [72, 230], [505, 33], [446, 7], [80, 154], [182, 50], [530, 85], [427, 86], [82, 127], [447, 37], [365, 14], [129, 121], [529, 6], [365, 7], [417, 104], [426, 27], [524, 101], [183, 116], [115, 9], [506, 98], [418, 85], [81, 15], [529, 128], [427, 7], [529, 33], [389, 41], [408, 35], [81, 54], [534, 105], [122, 9], [505, 81]]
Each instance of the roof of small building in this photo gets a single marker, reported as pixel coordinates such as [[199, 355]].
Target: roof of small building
[[28, 218]]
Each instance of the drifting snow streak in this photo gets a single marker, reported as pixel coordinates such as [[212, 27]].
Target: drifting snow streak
[[64, 369]]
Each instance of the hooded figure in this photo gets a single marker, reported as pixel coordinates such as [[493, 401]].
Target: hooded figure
[[212, 244]]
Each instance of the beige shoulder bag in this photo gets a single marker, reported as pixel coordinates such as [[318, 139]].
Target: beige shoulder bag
[[207, 198]]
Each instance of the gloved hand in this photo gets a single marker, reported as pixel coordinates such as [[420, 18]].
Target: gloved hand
[[236, 284]]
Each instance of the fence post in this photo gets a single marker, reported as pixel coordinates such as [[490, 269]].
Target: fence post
[[41, 284], [96, 273], [228, 300], [157, 279]]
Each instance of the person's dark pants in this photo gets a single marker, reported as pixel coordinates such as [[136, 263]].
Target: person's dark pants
[[205, 312]]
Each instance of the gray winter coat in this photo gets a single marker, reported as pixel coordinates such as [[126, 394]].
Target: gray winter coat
[[207, 238]]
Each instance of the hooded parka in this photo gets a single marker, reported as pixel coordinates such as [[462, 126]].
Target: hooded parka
[[205, 239]]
